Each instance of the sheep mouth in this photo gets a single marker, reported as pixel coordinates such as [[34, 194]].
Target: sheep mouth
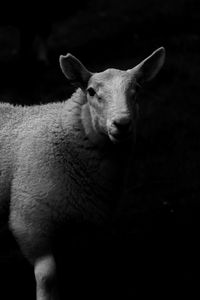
[[118, 137]]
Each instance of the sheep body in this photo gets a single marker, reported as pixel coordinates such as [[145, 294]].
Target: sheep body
[[50, 170]]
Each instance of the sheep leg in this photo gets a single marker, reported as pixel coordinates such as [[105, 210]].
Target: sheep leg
[[45, 275], [34, 242]]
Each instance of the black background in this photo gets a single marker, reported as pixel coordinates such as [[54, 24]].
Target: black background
[[152, 248]]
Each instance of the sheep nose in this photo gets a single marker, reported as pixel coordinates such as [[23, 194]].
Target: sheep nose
[[123, 125]]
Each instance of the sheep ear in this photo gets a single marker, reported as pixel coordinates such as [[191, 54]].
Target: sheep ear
[[149, 67], [74, 70]]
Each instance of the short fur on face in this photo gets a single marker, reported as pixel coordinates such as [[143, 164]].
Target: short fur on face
[[112, 94]]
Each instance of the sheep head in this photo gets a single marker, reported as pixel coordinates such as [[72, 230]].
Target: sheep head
[[112, 94]]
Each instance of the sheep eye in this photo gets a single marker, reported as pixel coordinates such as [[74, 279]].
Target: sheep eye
[[91, 92]]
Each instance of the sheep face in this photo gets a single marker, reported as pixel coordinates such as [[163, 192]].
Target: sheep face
[[112, 94], [112, 98]]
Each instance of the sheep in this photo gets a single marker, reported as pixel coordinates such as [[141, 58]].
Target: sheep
[[66, 161]]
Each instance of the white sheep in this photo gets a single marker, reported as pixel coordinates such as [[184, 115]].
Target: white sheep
[[65, 161]]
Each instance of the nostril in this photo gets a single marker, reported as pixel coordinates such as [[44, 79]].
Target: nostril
[[123, 124]]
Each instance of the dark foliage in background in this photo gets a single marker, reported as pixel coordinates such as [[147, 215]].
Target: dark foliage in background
[[152, 247]]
